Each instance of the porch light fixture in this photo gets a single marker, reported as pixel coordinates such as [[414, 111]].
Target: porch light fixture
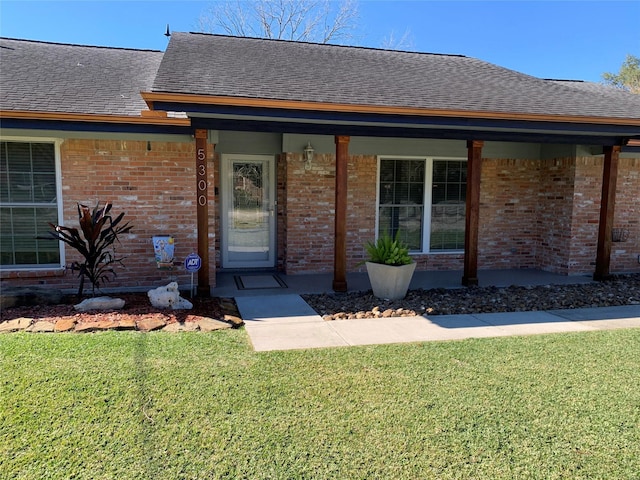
[[308, 156]]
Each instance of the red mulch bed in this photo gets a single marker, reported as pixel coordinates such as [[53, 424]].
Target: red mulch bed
[[136, 307]]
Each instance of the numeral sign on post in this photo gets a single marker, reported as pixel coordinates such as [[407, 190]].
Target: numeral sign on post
[[202, 209], [202, 176]]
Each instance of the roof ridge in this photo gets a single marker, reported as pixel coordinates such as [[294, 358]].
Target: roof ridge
[[301, 42], [45, 42], [566, 80]]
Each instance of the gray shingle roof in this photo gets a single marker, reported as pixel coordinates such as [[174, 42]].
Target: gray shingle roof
[[282, 70], [53, 77], [595, 88]]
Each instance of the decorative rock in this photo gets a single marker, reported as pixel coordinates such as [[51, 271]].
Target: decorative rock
[[620, 290], [208, 325], [65, 325], [149, 324], [15, 324], [41, 327], [190, 327], [168, 296], [99, 303], [173, 328], [234, 320], [95, 326], [181, 327], [128, 324]]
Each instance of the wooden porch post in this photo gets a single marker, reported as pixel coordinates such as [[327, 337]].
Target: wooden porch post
[[607, 208], [472, 212], [340, 245], [202, 210]]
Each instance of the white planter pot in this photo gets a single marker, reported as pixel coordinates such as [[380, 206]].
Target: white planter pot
[[388, 281]]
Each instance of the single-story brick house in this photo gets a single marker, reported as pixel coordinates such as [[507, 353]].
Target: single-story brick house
[[263, 154]]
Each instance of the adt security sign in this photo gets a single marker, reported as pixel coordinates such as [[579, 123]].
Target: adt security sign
[[193, 262]]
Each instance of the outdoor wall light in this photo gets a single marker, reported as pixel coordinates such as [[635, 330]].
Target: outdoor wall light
[[308, 156]]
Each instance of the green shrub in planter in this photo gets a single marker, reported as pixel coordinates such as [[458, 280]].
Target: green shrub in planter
[[389, 251], [389, 267]]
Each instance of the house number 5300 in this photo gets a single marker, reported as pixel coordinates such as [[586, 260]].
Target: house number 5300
[[202, 183]]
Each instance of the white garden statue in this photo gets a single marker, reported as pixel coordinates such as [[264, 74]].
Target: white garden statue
[[168, 296]]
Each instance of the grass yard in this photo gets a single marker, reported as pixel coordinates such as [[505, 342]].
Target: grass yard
[[126, 405]]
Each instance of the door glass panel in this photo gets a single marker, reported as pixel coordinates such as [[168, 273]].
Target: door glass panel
[[249, 215]]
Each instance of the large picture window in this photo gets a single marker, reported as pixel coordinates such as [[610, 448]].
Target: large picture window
[[28, 203], [423, 200]]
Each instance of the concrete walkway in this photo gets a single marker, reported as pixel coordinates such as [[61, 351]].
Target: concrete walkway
[[287, 322]]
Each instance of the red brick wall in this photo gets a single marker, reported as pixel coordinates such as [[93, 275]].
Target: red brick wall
[[361, 208], [155, 188], [533, 213], [309, 217], [624, 255], [585, 217], [509, 197], [526, 214], [545, 214], [554, 213], [309, 221]]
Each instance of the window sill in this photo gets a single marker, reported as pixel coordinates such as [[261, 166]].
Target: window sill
[[439, 252]]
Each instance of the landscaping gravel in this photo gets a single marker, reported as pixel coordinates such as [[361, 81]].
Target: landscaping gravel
[[620, 290]]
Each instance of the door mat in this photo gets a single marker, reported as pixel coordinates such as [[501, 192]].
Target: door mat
[[256, 282]]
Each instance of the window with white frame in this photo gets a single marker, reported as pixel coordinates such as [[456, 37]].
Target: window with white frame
[[423, 199], [28, 203]]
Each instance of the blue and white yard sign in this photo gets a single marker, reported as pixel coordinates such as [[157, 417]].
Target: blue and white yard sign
[[193, 262]]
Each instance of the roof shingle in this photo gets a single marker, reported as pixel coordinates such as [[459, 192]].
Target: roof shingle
[[54, 77], [283, 70]]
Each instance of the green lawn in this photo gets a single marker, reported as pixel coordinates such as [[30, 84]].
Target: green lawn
[[122, 405]]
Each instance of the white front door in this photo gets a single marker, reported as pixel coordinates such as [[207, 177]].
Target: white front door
[[248, 211]]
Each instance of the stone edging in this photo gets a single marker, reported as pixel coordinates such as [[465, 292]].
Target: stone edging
[[203, 324]]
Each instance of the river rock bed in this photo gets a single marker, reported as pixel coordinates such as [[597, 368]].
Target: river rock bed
[[620, 290]]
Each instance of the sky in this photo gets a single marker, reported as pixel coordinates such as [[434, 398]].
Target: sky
[[578, 40]]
